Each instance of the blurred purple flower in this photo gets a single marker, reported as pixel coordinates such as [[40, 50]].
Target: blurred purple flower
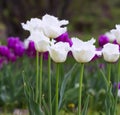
[[102, 40], [11, 42], [4, 51], [19, 49], [30, 51], [45, 55], [64, 38], [12, 57], [16, 45], [102, 66]]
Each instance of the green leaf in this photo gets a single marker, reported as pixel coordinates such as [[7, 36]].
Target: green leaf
[[33, 107], [85, 108], [64, 83]]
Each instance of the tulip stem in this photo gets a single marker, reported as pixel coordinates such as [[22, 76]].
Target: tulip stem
[[57, 86], [40, 83], [37, 74], [80, 89], [109, 74], [117, 87], [49, 84]]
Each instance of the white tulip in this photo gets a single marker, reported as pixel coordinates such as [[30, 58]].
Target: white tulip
[[110, 52], [49, 25], [33, 25], [42, 43], [52, 26], [58, 52], [110, 35], [83, 51], [116, 33]]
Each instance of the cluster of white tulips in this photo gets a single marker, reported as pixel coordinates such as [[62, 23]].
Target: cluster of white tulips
[[43, 33]]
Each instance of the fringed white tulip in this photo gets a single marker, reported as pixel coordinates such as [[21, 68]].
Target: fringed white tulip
[[52, 26], [42, 43], [116, 33], [33, 25], [83, 51], [110, 52], [110, 35], [49, 25], [58, 52]]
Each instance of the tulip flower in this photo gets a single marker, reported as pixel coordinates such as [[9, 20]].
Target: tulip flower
[[52, 26], [116, 33], [64, 38], [58, 52], [49, 25], [83, 51], [30, 48], [110, 36], [40, 40], [110, 52], [32, 25], [102, 40]]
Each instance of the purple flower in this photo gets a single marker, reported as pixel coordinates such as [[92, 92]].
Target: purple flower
[[4, 51], [30, 51], [11, 42], [19, 49], [102, 40], [45, 55], [12, 57], [64, 38], [16, 46]]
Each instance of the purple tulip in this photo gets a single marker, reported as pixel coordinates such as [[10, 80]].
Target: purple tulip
[[11, 42], [16, 46], [19, 49], [102, 40], [12, 57], [30, 51], [64, 38], [4, 51]]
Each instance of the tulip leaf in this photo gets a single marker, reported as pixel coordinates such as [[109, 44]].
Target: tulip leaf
[[85, 108], [64, 83], [33, 107]]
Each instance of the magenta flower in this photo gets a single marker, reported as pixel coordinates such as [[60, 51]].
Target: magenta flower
[[64, 38], [102, 40], [4, 51], [19, 49], [16, 46], [12, 41], [12, 57], [30, 51]]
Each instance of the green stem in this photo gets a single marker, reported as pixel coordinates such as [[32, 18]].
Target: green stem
[[37, 74], [49, 84], [108, 97], [57, 86], [80, 89], [40, 83], [116, 96], [109, 74]]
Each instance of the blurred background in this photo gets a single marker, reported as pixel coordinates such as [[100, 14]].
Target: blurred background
[[88, 18], [85, 16]]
